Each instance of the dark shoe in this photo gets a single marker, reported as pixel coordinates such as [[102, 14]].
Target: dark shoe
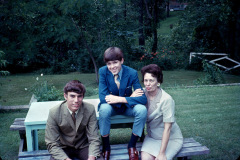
[[106, 155], [133, 154]]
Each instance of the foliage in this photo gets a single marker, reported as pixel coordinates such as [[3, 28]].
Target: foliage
[[206, 26], [43, 91], [3, 64], [90, 91], [165, 59], [63, 36], [213, 75]]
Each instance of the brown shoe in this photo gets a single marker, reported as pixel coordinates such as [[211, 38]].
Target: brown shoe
[[133, 154], [106, 155]]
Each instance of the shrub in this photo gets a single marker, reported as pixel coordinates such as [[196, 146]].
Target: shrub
[[3, 64], [164, 58], [43, 91], [46, 92], [213, 75]]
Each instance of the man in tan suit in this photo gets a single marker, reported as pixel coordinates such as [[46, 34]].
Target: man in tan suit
[[71, 130]]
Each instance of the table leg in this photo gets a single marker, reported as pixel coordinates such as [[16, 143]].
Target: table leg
[[29, 138], [35, 139]]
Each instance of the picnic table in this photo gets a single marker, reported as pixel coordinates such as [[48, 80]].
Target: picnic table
[[38, 113]]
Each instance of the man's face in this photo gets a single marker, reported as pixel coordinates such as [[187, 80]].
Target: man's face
[[115, 66], [74, 100]]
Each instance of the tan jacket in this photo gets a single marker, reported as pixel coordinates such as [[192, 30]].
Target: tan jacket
[[61, 132], [165, 110]]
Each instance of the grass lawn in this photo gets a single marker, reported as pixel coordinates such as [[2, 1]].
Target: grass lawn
[[208, 114], [13, 87], [164, 28]]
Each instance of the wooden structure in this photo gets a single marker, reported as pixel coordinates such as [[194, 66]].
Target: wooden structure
[[223, 56], [119, 151], [18, 125]]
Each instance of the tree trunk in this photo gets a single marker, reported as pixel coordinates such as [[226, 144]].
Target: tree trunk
[[141, 39], [167, 6], [154, 27], [89, 50], [237, 37], [92, 58]]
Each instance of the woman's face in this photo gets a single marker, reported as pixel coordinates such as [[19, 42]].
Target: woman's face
[[150, 82]]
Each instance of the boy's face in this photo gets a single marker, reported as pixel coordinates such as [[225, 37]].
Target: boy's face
[[74, 100], [115, 66]]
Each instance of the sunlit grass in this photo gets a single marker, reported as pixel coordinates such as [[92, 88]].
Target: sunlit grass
[[164, 28], [208, 114], [13, 87]]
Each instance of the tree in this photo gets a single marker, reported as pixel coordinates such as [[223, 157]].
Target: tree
[[155, 11], [208, 26], [60, 36]]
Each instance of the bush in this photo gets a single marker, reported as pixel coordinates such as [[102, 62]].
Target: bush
[[91, 92], [196, 65], [3, 64], [45, 92], [165, 59], [213, 75]]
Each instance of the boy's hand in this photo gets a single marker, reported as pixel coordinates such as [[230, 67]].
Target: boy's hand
[[137, 93]]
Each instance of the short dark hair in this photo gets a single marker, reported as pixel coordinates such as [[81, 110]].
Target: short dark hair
[[112, 54], [154, 70], [74, 86]]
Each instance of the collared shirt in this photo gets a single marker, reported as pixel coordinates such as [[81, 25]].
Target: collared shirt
[[119, 75], [72, 112]]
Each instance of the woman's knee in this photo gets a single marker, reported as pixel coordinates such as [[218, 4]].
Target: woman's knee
[[146, 156]]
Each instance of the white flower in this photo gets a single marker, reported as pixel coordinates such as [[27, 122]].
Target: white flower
[[41, 74], [37, 78], [25, 89]]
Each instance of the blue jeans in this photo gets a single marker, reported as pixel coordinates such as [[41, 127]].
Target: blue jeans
[[106, 111]]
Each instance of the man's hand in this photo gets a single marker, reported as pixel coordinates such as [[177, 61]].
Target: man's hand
[[111, 99], [91, 158], [137, 93], [68, 159]]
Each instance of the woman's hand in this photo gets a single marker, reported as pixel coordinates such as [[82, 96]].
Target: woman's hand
[[161, 157], [137, 93]]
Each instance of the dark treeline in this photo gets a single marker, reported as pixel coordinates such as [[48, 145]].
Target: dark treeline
[[60, 36]]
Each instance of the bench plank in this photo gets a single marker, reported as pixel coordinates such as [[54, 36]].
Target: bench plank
[[185, 152], [34, 153], [120, 152], [36, 158], [18, 124]]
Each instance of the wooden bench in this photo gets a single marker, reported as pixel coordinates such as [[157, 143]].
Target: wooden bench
[[119, 151], [18, 125]]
